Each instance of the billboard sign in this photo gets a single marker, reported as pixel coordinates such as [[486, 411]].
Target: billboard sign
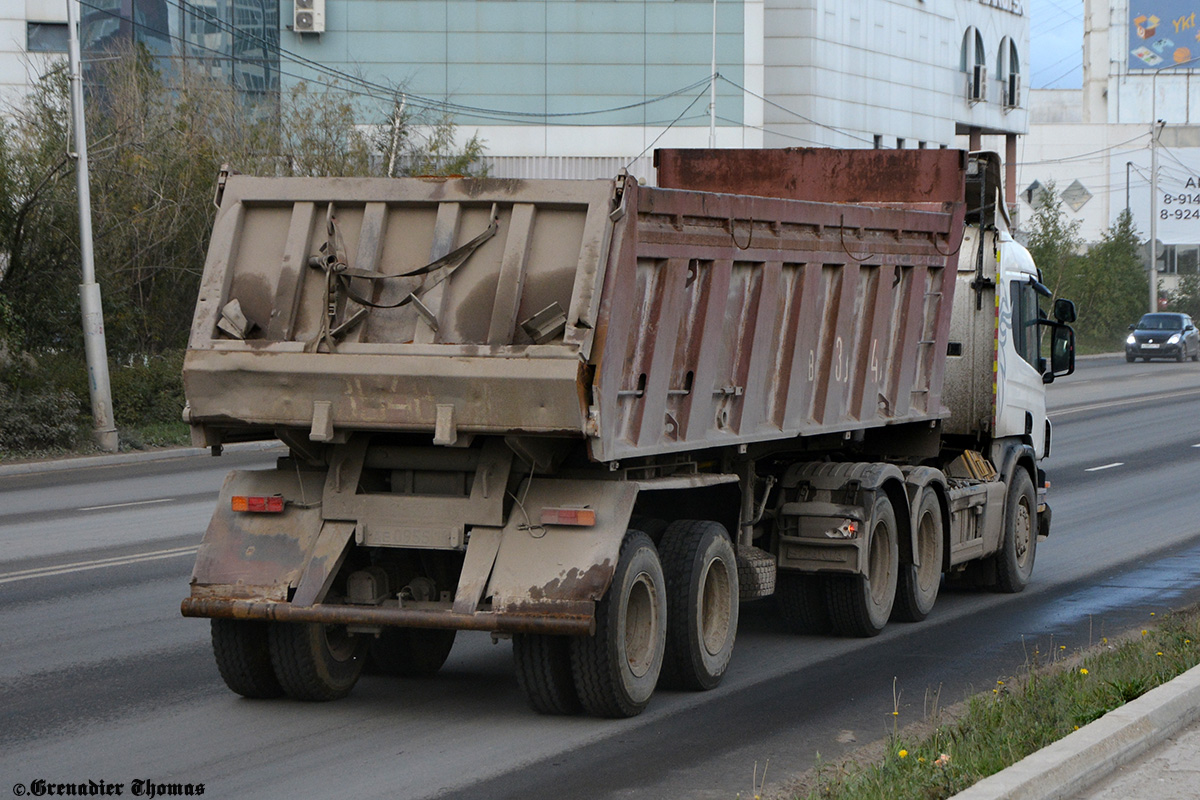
[[1177, 204], [1163, 34]]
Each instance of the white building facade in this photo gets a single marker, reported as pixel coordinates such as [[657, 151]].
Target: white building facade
[[1141, 62], [33, 33]]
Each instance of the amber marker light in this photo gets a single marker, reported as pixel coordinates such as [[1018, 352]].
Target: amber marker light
[[583, 517]]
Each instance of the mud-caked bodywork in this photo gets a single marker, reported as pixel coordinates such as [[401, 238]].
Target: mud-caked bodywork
[[570, 410]]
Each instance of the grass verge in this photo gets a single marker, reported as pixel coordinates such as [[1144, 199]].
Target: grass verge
[[1054, 696]]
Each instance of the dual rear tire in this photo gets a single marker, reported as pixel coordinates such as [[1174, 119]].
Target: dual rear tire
[[669, 618]]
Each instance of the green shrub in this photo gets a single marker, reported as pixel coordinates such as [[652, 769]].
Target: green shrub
[[148, 390]]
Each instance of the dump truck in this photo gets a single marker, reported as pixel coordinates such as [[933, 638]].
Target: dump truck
[[596, 416]]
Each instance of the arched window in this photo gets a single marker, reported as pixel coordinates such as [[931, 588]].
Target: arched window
[[972, 52], [972, 60], [1008, 71]]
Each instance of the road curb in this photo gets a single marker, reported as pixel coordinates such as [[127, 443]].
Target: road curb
[[1087, 756], [168, 454]]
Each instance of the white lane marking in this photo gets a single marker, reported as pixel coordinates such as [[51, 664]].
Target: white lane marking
[[1106, 466], [1128, 401], [1196, 445], [100, 563], [127, 505]]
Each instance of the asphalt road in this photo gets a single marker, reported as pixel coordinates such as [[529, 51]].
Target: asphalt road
[[101, 679]]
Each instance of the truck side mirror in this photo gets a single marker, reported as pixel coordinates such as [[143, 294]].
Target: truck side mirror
[[1062, 352], [1064, 310]]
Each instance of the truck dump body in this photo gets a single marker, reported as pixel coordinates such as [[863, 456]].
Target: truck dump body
[[599, 416], [644, 321]]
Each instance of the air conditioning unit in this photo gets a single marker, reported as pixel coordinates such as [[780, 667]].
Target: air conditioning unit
[[1012, 91], [977, 84], [309, 16]]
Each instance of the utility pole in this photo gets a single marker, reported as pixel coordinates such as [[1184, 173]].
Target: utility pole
[[105, 431], [1155, 127]]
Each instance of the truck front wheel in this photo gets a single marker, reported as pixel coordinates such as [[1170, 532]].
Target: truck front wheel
[[859, 605], [244, 658], [314, 661], [701, 575], [1014, 562], [917, 588], [616, 669]]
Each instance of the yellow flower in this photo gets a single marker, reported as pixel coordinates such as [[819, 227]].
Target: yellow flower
[[995, 691], [1159, 653], [1062, 647], [1076, 727], [920, 760], [1144, 633], [1083, 671], [1152, 613], [1104, 640], [895, 713], [1000, 682], [903, 754], [1187, 641]]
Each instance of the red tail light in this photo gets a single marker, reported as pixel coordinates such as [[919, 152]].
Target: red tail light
[[260, 505]]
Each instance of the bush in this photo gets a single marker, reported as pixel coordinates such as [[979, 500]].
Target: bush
[[45, 402], [34, 414], [148, 390]]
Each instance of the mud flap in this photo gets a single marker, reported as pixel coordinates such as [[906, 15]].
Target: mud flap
[[260, 555], [559, 567]]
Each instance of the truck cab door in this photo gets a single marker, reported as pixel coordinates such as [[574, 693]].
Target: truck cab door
[[1020, 391]]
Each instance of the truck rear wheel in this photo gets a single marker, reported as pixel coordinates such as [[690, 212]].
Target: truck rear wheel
[[917, 586], [616, 669], [544, 673], [701, 575], [802, 602], [859, 605], [244, 658], [411, 652], [314, 661], [1014, 562]]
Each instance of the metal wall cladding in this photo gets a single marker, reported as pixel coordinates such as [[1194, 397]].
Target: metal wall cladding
[[730, 319]]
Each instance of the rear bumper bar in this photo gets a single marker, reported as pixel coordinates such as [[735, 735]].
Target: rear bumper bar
[[557, 623]]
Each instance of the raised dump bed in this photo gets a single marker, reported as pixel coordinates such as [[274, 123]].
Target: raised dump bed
[[644, 320]]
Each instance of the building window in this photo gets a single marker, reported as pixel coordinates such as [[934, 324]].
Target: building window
[[972, 52], [899, 143], [878, 141], [1008, 71], [46, 37]]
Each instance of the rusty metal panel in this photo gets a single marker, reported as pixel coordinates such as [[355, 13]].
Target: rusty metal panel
[[261, 555], [669, 320], [819, 174], [732, 319], [555, 563]]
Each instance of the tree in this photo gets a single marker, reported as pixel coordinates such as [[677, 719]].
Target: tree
[[158, 137], [1107, 281], [1054, 242], [159, 132], [1110, 286]]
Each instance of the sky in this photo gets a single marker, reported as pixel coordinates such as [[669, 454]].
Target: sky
[[1055, 43]]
